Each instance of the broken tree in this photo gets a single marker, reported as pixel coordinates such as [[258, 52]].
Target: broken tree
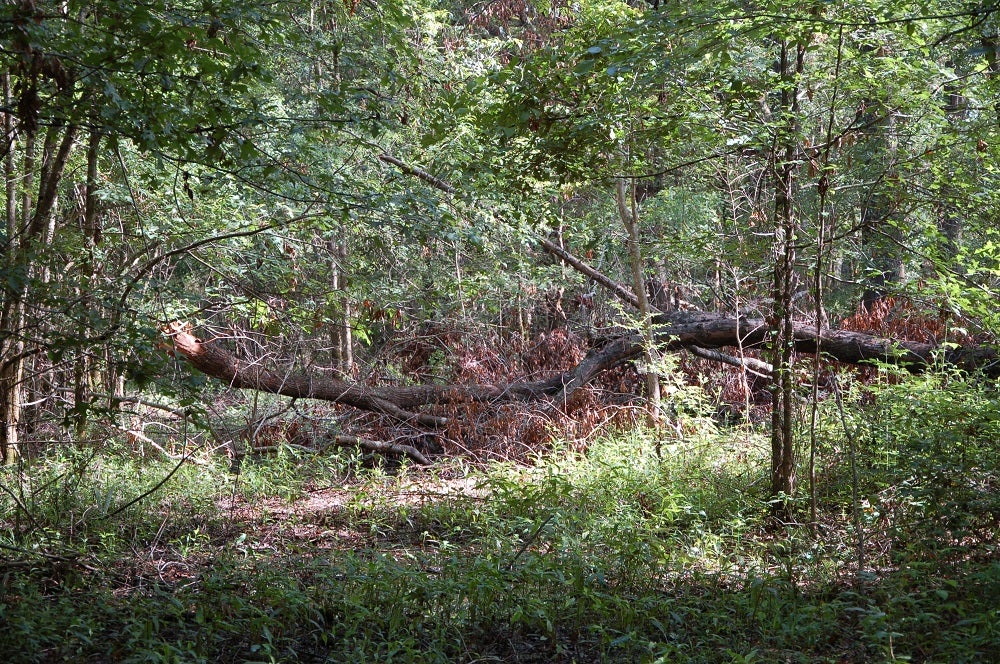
[[702, 333], [699, 331]]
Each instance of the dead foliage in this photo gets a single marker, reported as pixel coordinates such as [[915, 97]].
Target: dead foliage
[[898, 317], [514, 431]]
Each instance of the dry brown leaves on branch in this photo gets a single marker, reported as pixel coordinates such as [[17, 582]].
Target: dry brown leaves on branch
[[514, 431], [900, 318]]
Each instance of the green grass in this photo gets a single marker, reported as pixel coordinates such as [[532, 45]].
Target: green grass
[[616, 555]]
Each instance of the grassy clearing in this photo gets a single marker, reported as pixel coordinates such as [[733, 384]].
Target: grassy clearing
[[615, 555]]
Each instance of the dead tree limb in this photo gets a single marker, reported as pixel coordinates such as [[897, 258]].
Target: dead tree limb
[[379, 446], [751, 364], [621, 292], [435, 182]]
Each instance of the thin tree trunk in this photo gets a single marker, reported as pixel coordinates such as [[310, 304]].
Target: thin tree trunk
[[341, 337], [336, 328], [822, 188], [346, 335], [949, 220], [781, 323], [12, 313], [990, 43], [631, 223], [10, 176]]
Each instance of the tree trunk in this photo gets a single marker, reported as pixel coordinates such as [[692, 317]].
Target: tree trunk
[[23, 245], [880, 232], [341, 337], [781, 322], [949, 219], [12, 314], [10, 380], [990, 43], [631, 223], [85, 373]]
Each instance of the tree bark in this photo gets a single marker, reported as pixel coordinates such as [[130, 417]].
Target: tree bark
[[341, 335], [949, 219], [10, 381]]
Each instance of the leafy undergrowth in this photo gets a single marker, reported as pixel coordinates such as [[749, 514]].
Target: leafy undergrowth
[[615, 554]]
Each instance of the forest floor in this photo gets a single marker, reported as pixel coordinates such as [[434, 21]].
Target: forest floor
[[613, 554]]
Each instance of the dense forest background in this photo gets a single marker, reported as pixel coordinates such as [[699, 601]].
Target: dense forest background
[[520, 330]]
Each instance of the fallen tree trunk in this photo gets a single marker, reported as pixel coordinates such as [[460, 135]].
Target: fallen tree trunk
[[700, 331], [212, 359], [710, 330]]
